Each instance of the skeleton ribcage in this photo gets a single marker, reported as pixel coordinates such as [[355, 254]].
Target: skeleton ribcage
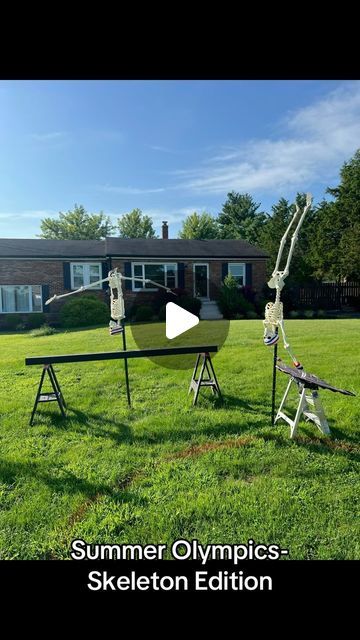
[[274, 312]]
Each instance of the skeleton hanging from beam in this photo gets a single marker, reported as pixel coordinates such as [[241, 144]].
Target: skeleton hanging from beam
[[117, 306], [274, 317]]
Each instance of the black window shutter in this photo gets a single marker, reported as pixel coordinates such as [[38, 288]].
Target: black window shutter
[[127, 274], [67, 278], [225, 270], [104, 274], [181, 275], [45, 293], [248, 274]]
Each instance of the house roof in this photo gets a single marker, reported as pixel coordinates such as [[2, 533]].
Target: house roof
[[29, 248], [128, 248]]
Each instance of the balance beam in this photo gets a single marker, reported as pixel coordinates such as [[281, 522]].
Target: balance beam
[[56, 394], [120, 355]]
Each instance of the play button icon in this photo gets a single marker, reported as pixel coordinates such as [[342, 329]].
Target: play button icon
[[158, 321], [178, 320]]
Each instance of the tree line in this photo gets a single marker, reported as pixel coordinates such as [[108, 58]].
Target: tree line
[[328, 246]]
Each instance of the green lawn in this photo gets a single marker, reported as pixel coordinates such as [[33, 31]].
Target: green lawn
[[163, 470]]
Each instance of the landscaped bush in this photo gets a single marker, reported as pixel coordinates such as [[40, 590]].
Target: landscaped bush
[[189, 303], [45, 330], [260, 304], [11, 322], [309, 313], [321, 313], [144, 313], [182, 299], [293, 314], [162, 313], [84, 312], [251, 315], [35, 320], [231, 300]]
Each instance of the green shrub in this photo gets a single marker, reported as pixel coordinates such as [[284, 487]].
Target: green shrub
[[239, 316], [251, 315], [45, 330], [293, 314], [309, 313], [84, 312], [11, 320], [189, 303], [321, 313], [144, 313], [35, 320], [260, 304], [162, 313], [231, 301]]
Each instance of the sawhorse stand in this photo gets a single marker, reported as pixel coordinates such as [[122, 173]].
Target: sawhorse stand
[[210, 381], [54, 396], [309, 406]]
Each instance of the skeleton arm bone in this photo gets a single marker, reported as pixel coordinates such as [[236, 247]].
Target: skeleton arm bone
[[295, 235], [278, 277], [283, 241], [98, 282]]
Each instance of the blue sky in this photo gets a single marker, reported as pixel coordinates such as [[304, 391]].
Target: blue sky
[[167, 147]]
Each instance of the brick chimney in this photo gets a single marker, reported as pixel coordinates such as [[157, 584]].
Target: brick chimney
[[165, 230]]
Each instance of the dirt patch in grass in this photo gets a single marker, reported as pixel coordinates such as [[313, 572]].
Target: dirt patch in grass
[[335, 445], [80, 512], [198, 450]]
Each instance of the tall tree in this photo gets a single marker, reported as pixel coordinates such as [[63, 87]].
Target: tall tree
[[324, 255], [239, 218], [335, 250], [77, 225], [347, 217], [199, 226], [135, 225]]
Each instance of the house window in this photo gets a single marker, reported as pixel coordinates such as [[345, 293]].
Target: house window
[[20, 298], [237, 270], [165, 274], [85, 273]]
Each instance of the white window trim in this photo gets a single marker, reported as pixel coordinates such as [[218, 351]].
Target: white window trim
[[86, 273], [143, 264], [30, 286], [238, 264]]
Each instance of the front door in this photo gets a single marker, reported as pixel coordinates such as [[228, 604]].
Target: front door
[[201, 280]]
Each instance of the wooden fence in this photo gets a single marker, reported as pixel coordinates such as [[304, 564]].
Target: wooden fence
[[327, 295]]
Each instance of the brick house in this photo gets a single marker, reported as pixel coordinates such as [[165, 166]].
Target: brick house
[[33, 270]]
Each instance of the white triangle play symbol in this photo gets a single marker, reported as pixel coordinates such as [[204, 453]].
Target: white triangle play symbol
[[178, 320]]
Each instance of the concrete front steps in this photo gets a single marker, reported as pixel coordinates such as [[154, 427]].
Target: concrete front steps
[[210, 311]]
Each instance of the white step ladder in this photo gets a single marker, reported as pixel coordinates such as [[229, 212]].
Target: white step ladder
[[309, 406]]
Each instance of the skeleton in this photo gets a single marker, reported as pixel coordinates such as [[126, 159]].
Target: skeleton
[[274, 317], [117, 306]]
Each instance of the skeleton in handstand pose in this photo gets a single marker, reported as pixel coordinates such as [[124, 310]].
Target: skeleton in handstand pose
[[274, 317], [117, 306]]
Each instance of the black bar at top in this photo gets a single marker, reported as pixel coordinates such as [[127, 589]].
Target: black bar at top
[[120, 355]]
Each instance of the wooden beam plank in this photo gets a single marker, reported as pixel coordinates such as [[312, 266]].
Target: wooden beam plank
[[120, 355]]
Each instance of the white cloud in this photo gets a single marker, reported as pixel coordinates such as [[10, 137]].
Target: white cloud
[[172, 215], [316, 140], [50, 136], [30, 214], [128, 190], [155, 147]]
